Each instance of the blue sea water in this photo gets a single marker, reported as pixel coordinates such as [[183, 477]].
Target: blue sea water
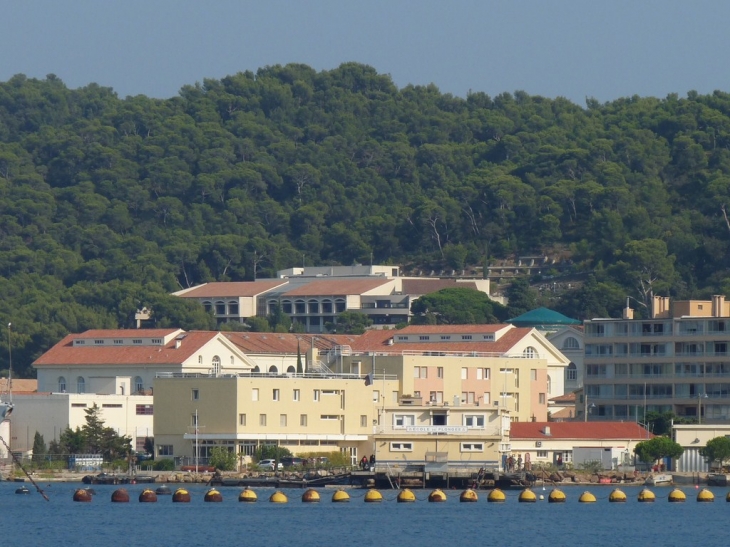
[[29, 520]]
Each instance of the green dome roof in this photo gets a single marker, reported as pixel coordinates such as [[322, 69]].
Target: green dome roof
[[541, 317]]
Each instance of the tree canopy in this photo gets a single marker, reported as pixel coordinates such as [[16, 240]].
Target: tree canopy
[[109, 204], [658, 448], [716, 450], [454, 306]]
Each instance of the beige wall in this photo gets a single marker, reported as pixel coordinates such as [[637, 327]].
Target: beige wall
[[339, 412], [523, 394]]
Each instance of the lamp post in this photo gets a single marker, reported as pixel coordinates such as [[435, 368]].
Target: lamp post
[[699, 406]]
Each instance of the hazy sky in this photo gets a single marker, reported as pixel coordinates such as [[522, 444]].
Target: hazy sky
[[594, 48]]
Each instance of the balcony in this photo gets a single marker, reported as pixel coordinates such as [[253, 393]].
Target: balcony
[[436, 430]]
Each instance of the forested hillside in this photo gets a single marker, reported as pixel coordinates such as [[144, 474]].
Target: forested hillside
[[107, 204]]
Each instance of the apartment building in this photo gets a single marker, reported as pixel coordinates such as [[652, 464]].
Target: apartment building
[[307, 412], [676, 360]]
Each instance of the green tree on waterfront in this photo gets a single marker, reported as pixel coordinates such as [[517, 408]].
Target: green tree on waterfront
[[657, 449], [716, 450]]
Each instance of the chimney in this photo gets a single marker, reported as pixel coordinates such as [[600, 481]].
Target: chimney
[[546, 431], [718, 303], [178, 343]]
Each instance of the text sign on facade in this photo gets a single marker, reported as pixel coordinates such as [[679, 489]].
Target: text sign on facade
[[436, 429]]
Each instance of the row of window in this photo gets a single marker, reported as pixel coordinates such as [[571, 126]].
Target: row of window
[[663, 328], [140, 410], [463, 447], [284, 419], [81, 384]]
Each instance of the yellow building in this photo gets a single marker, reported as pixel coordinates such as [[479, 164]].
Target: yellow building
[[302, 412], [440, 436]]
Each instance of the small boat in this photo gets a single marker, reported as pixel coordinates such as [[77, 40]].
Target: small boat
[[163, 490], [22, 490], [658, 479]]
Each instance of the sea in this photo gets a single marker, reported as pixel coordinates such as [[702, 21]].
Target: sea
[[29, 520]]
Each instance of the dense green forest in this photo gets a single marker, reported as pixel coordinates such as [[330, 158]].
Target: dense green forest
[[107, 204]]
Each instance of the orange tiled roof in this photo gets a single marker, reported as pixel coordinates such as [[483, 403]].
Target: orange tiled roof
[[233, 289], [337, 287], [274, 342], [566, 398], [455, 329], [578, 430], [375, 341], [19, 385], [65, 353]]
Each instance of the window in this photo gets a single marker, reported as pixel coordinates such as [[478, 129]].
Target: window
[[144, 410], [194, 420], [255, 394], [329, 417], [445, 337], [164, 450], [200, 359], [424, 372], [78, 405], [424, 338], [262, 419], [487, 398], [62, 384], [466, 336], [195, 394], [363, 420], [440, 372], [118, 342], [472, 447], [316, 395], [533, 374], [275, 394], [571, 343], [136, 341], [282, 420], [541, 398], [98, 342], [216, 365], [242, 419], [80, 384], [403, 420], [530, 352], [487, 373], [464, 373], [401, 447], [474, 422], [296, 394], [542, 453], [138, 384], [436, 397], [303, 420], [402, 338], [376, 396], [571, 373]]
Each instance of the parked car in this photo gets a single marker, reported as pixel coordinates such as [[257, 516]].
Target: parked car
[[268, 465], [289, 461]]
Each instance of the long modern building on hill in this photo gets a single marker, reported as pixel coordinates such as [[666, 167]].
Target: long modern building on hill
[[675, 360], [314, 296]]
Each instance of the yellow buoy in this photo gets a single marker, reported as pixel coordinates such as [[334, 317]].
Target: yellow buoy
[[181, 495], [148, 496], [705, 495], [82, 495], [727, 498], [587, 497], [213, 495], [406, 496], [120, 495], [373, 496], [617, 496], [310, 496], [437, 496], [247, 496], [646, 496], [677, 496], [527, 496], [496, 496], [340, 496], [556, 496], [468, 496], [278, 497]]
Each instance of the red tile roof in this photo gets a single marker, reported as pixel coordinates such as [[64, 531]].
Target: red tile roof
[[578, 430], [455, 329], [232, 289], [566, 398], [274, 342], [425, 286], [124, 333], [65, 353], [337, 287], [377, 341], [19, 385]]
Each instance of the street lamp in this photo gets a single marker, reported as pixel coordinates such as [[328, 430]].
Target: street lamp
[[699, 406]]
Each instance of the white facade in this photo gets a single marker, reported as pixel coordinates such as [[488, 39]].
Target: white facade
[[51, 413], [569, 342]]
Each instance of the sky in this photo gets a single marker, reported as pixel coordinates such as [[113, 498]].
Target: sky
[[603, 49]]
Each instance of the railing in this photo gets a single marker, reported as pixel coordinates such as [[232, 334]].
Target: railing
[[438, 353], [313, 375], [413, 430]]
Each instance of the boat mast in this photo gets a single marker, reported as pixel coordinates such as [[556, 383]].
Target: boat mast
[[10, 364]]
